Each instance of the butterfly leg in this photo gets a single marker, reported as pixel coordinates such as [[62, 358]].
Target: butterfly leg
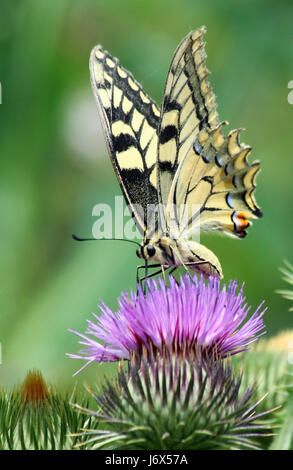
[[146, 275], [163, 270], [196, 263], [172, 271], [138, 280], [185, 266], [153, 274], [163, 273]]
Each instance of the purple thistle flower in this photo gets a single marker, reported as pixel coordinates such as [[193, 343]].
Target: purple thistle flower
[[191, 317]]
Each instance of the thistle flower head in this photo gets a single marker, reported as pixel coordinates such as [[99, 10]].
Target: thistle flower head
[[184, 319]]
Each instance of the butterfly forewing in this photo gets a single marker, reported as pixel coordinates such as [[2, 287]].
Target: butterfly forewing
[[189, 105], [130, 121]]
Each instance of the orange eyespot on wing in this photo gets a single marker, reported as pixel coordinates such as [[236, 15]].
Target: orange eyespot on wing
[[240, 223]]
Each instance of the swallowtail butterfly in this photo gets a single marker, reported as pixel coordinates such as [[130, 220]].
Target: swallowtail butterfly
[[175, 156]]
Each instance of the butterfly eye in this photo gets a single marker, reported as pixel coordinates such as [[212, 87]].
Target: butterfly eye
[[151, 250], [138, 252]]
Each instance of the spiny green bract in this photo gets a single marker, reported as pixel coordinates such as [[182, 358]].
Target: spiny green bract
[[268, 365], [175, 403], [35, 417], [287, 272]]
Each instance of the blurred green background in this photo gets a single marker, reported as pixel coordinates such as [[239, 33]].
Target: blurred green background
[[55, 168]]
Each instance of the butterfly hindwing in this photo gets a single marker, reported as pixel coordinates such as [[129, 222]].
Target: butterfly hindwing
[[215, 183], [130, 121]]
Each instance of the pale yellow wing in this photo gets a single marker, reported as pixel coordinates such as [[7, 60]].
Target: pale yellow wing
[[214, 186], [130, 120], [188, 107]]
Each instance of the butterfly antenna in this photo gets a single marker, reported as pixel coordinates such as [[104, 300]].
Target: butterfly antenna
[[78, 239]]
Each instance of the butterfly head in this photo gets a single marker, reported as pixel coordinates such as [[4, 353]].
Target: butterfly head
[[147, 252], [157, 249], [161, 250]]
